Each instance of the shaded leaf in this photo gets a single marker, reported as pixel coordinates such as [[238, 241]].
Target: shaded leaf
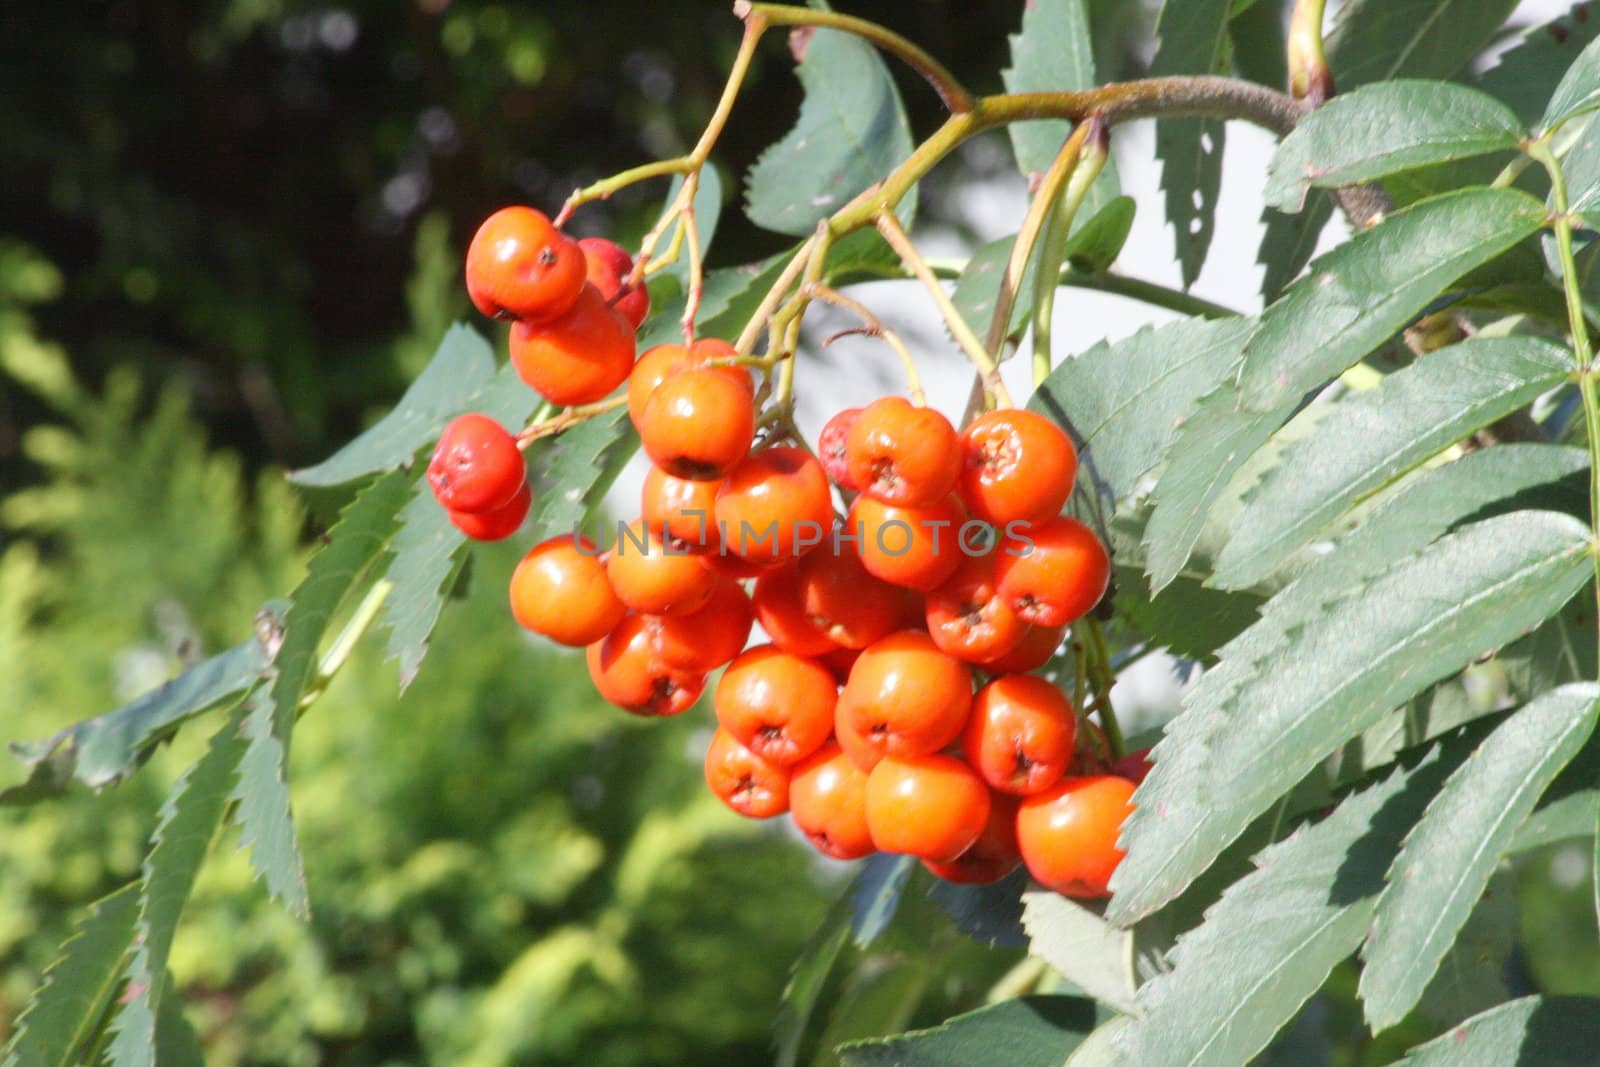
[[1472, 976], [1124, 401], [1289, 241], [1097, 239], [988, 913], [875, 895], [189, 819], [1578, 91], [1254, 733], [1277, 933], [1526, 74], [1381, 129], [177, 1045], [1194, 40], [1034, 1031], [978, 288], [1447, 859], [1083, 948], [1548, 1031], [1099, 1049], [77, 989], [1373, 437], [1374, 40], [572, 473], [807, 978], [1360, 293], [851, 132], [102, 751]]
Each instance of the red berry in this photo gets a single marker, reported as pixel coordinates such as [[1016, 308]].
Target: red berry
[[520, 266], [476, 466]]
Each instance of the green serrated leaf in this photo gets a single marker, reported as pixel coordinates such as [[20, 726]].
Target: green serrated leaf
[[189, 819], [1033, 1031], [1099, 1049], [177, 1044], [1375, 40], [1277, 933], [989, 913], [852, 131], [102, 751], [456, 380], [428, 554], [573, 473], [1359, 294], [1083, 948], [1548, 1031], [1382, 129], [1194, 40], [1097, 239], [1526, 74], [263, 814], [1125, 400], [78, 988], [1222, 764], [1374, 437], [1471, 977], [1578, 91], [1447, 859], [1289, 241]]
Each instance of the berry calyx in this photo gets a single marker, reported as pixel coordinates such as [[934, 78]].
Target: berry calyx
[[626, 672], [476, 465], [902, 454], [778, 705], [698, 423], [968, 618], [519, 266], [905, 697], [750, 785], [1021, 735]]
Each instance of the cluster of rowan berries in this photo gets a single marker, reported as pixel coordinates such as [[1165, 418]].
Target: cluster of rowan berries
[[892, 708]]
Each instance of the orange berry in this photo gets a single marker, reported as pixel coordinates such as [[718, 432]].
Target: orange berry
[[1038, 644], [1068, 834], [933, 807], [626, 673], [905, 697], [1021, 734], [698, 424], [661, 362], [1016, 466], [520, 266], [778, 705], [704, 640], [831, 448], [607, 268], [496, 525], [782, 614], [903, 454], [578, 358], [656, 577], [916, 547], [680, 508], [1054, 572], [560, 590], [828, 802], [968, 618], [748, 784], [476, 466], [849, 604], [774, 506], [993, 855]]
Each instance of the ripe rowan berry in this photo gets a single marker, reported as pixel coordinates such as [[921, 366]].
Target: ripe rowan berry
[[994, 854], [775, 505], [476, 466], [905, 697], [607, 268], [1038, 644], [933, 807], [748, 784], [520, 266], [661, 362], [626, 672], [828, 802], [832, 452], [857, 746], [680, 508], [560, 590], [1021, 734], [578, 358], [496, 525], [849, 604], [1054, 572], [704, 640], [968, 618], [698, 423], [781, 611], [903, 454], [656, 577], [1068, 834], [1016, 466], [778, 705], [919, 548]]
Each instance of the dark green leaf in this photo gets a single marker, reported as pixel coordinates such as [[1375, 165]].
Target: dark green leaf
[[189, 819], [1360, 293], [1526, 74], [1125, 400], [1381, 129], [1251, 736], [1374, 437], [1447, 859], [1542, 1031], [428, 554], [852, 132], [988, 913], [102, 751], [1277, 933], [1034, 1031], [1194, 40], [1579, 90], [460, 378], [808, 976], [1082, 947], [266, 823], [1187, 618], [177, 1045], [1097, 241], [573, 472], [77, 989], [1289, 241], [1375, 40], [875, 895], [1472, 976]]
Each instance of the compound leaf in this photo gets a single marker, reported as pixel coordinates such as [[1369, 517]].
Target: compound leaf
[[1289, 241], [266, 823]]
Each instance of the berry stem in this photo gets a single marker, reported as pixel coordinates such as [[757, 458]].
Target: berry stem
[[1058, 228], [691, 239], [1310, 79], [894, 233], [570, 417], [1101, 678], [339, 652], [873, 327]]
